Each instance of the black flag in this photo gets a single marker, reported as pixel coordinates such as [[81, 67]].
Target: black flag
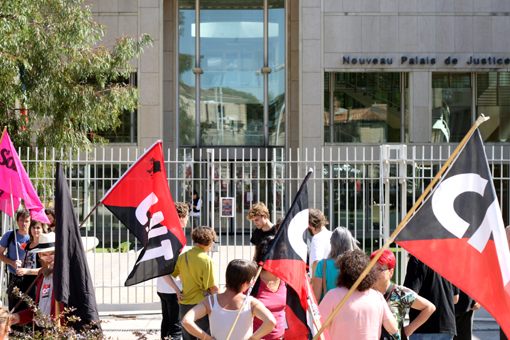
[[71, 277]]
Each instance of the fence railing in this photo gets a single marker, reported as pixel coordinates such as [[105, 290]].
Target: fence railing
[[364, 188]]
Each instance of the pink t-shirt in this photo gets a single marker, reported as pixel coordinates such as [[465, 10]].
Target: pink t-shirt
[[361, 316], [275, 302]]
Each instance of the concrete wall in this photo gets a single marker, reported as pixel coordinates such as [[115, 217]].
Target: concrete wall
[[132, 18]]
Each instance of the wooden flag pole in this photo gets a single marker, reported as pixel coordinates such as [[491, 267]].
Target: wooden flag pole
[[3, 133], [402, 224], [244, 302], [90, 213]]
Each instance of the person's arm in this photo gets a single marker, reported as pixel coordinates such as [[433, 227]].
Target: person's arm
[[390, 325], [314, 266], [456, 298], [267, 318], [426, 307], [317, 287], [476, 306], [7, 260], [199, 204], [188, 321], [214, 289], [172, 284]]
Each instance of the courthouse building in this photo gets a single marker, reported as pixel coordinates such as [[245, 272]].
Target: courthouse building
[[307, 74]]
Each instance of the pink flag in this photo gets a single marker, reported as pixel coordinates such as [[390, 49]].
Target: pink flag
[[14, 179]]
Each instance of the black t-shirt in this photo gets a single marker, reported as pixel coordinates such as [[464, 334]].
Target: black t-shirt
[[433, 287], [258, 235]]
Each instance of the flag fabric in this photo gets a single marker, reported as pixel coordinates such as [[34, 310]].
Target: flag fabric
[[14, 180], [459, 232], [286, 258], [141, 200], [72, 283]]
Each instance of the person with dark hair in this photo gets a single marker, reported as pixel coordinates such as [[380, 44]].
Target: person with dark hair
[[170, 290], [196, 271], [222, 308], [400, 298], [271, 291], [15, 244], [365, 311], [278, 224], [320, 247], [31, 263], [195, 206], [50, 213], [341, 241]]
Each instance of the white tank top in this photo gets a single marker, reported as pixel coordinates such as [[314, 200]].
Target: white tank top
[[221, 320]]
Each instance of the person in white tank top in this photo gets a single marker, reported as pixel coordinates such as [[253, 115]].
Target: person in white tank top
[[222, 308]]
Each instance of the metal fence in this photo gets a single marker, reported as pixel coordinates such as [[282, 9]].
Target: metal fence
[[367, 189]]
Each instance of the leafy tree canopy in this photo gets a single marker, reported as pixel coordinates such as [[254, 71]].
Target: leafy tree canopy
[[58, 80]]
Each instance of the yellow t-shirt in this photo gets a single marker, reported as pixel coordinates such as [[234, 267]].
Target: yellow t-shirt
[[200, 272]]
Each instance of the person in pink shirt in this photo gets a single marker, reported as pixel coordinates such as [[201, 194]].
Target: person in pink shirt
[[365, 311], [272, 292]]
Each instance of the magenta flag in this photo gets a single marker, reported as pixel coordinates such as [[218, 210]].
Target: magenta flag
[[14, 179]]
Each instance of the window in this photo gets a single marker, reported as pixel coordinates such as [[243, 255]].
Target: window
[[365, 107], [127, 131], [236, 88], [451, 106], [493, 100]]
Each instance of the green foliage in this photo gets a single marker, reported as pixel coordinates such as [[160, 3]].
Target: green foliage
[[52, 65]]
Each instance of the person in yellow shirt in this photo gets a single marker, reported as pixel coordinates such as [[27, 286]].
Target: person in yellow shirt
[[196, 271]]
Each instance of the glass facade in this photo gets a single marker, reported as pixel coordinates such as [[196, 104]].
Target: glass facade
[[451, 106], [365, 108], [240, 72], [493, 100]]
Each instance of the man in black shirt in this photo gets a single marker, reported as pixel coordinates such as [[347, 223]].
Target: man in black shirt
[[259, 215], [433, 287]]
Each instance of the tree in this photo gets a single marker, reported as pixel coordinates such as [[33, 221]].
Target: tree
[[57, 85]]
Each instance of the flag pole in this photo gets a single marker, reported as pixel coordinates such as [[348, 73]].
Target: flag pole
[[14, 228], [3, 134], [244, 302], [402, 224], [90, 213]]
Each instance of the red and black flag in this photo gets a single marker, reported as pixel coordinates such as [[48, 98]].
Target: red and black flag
[[71, 276], [141, 200], [286, 258], [459, 232]]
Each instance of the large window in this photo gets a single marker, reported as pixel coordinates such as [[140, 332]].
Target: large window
[[493, 99], [235, 89], [451, 106], [365, 107]]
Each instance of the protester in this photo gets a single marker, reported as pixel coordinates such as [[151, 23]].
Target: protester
[[320, 247], [464, 316], [15, 252], [272, 292], [440, 292], [340, 242], [365, 311], [31, 262], [195, 206], [278, 224], [400, 298], [222, 308], [196, 270], [259, 215], [170, 290], [50, 213], [5, 323], [44, 299]]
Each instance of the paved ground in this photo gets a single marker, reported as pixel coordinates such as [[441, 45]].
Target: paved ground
[[120, 328]]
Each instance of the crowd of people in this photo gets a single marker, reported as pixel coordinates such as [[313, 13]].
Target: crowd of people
[[194, 307], [376, 309]]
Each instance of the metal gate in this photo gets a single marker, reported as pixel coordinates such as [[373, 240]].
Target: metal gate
[[366, 189]]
